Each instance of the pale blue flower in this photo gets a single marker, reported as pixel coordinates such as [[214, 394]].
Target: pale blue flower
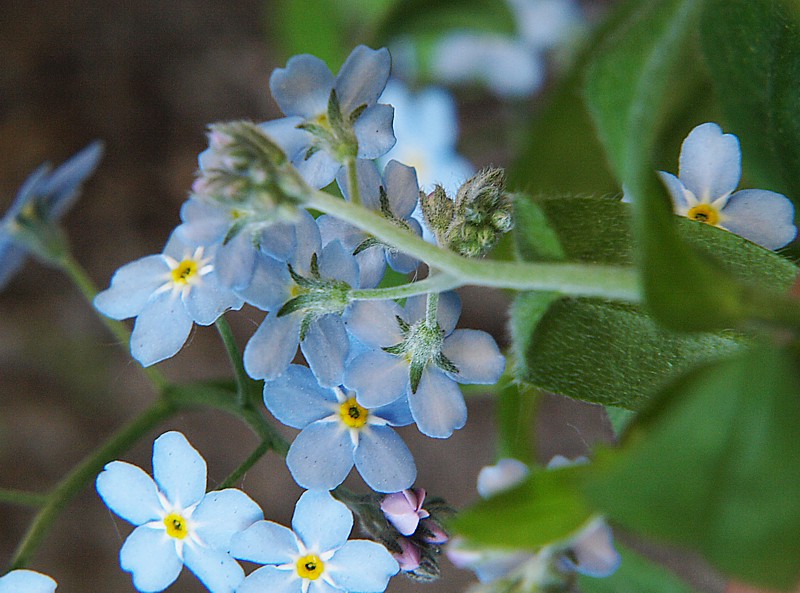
[[426, 127], [26, 581], [709, 170], [314, 556], [30, 223], [407, 354], [167, 293], [337, 433], [339, 116], [312, 291], [177, 522], [395, 196]]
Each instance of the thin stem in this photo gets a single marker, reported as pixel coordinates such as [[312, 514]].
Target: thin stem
[[438, 283], [240, 471], [352, 182], [22, 498], [74, 482], [84, 283], [242, 379], [589, 280], [431, 305]]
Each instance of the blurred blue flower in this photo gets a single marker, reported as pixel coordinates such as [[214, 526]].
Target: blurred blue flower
[[29, 226], [407, 354], [337, 432], [314, 556], [339, 117], [710, 167], [166, 293], [177, 522], [26, 581]]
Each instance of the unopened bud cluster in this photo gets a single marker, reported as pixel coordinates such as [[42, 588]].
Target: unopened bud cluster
[[473, 223]]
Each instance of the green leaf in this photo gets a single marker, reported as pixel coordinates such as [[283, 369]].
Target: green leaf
[[514, 408], [547, 507], [634, 575], [713, 465], [753, 53]]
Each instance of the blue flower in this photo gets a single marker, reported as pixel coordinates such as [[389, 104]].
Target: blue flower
[[709, 170], [426, 127], [166, 293], [407, 354], [339, 117], [314, 556], [26, 581], [312, 290], [29, 225], [177, 522], [395, 196], [337, 432]]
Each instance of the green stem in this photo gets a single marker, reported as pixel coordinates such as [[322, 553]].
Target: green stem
[[352, 182], [588, 280], [86, 471], [22, 498], [84, 283], [242, 379], [439, 283], [240, 471], [431, 306]]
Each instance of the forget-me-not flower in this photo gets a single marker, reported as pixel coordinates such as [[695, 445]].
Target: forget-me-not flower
[[26, 581], [314, 556], [167, 293], [709, 170], [337, 432], [339, 116], [410, 352], [29, 224], [177, 522]]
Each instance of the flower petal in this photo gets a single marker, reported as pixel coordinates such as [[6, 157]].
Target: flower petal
[[215, 568], [505, 474], [129, 492], [318, 170], [26, 581], [320, 521], [272, 347], [325, 348], [321, 456], [284, 132], [374, 131], [594, 551], [402, 189], [374, 322], [222, 513], [297, 399], [179, 470], [161, 329], [378, 378], [269, 578], [476, 356], [235, 261], [710, 162], [438, 406], [363, 566], [303, 87], [362, 77], [369, 183], [131, 287], [384, 460], [677, 192], [270, 285], [210, 299], [149, 554], [447, 312], [265, 542], [762, 216], [338, 263], [12, 256]]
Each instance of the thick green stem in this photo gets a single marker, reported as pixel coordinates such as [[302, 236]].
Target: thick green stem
[[588, 280], [22, 498], [352, 182]]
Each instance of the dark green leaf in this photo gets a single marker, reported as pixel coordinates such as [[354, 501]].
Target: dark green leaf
[[545, 508], [713, 465]]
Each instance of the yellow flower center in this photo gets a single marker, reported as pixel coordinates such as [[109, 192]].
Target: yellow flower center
[[704, 213], [176, 526], [352, 414], [310, 567], [184, 272]]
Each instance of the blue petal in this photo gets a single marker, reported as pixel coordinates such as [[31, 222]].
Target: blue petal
[[402, 189], [26, 581], [222, 513], [319, 169], [303, 87], [762, 216], [270, 285], [338, 263], [272, 347], [378, 378], [334, 229], [371, 266], [161, 329], [369, 183], [438, 406], [594, 551], [384, 460], [216, 570], [279, 240], [447, 312], [269, 578], [676, 191], [374, 131], [284, 132], [476, 356], [203, 223], [265, 542], [150, 555], [12, 256], [210, 299], [363, 566], [296, 398], [375, 322], [325, 348], [62, 186], [235, 261], [129, 492], [396, 413], [309, 242], [179, 470], [710, 162], [320, 521], [321, 456], [131, 287], [362, 77]]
